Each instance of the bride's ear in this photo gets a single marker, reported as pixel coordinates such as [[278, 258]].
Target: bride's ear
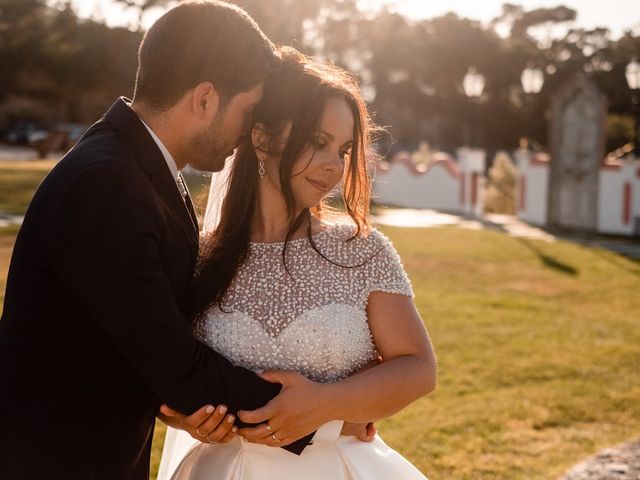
[[260, 141]]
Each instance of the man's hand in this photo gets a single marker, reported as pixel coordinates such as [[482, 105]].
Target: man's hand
[[299, 409], [364, 432], [207, 425]]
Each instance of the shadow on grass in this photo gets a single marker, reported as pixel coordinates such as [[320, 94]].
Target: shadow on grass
[[547, 260], [618, 260]]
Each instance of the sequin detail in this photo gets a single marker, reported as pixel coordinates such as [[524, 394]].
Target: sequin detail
[[311, 318]]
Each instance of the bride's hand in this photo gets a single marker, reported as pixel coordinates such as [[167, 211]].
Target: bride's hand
[[207, 425], [300, 408], [364, 432]]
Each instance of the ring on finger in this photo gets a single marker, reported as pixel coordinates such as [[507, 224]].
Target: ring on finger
[[273, 435], [269, 428], [212, 442], [201, 435]]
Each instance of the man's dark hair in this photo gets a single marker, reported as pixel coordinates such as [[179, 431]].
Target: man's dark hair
[[201, 41]]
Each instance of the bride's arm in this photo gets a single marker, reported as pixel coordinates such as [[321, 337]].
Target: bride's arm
[[408, 370], [407, 373]]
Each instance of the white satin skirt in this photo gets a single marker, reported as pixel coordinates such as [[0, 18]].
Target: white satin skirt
[[330, 457]]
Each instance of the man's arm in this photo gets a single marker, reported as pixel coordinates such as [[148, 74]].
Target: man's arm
[[106, 251]]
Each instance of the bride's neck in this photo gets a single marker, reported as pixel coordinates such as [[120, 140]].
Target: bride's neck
[[271, 222]]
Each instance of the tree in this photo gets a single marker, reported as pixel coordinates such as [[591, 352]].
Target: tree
[[142, 6], [23, 25], [501, 186], [410, 72]]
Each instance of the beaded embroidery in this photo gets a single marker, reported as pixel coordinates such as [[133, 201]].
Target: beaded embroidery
[[311, 318]]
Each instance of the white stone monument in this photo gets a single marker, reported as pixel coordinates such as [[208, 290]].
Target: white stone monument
[[577, 151]]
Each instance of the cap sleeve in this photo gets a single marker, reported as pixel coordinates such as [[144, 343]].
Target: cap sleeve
[[385, 272]]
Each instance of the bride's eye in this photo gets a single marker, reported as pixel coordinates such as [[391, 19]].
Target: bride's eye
[[317, 143]]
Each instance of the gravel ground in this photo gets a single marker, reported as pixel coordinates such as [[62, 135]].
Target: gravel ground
[[616, 463]]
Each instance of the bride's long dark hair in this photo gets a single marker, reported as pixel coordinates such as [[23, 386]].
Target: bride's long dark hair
[[296, 92]]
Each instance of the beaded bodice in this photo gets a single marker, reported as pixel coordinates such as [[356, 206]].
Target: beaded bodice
[[310, 316]]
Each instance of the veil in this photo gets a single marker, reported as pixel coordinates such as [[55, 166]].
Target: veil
[[217, 192], [178, 442]]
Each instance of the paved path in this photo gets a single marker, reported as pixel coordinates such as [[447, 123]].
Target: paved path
[[406, 217], [10, 152], [508, 224], [21, 153], [621, 462], [9, 220]]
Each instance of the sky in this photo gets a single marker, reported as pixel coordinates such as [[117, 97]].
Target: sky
[[617, 15]]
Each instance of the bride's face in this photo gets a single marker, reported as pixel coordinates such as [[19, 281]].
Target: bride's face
[[322, 164]]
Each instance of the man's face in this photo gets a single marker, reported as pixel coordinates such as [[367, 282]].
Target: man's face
[[214, 144]]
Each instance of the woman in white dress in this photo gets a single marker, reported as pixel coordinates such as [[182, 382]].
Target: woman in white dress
[[280, 288]]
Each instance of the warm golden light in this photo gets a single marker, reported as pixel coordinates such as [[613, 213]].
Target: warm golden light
[[591, 13]]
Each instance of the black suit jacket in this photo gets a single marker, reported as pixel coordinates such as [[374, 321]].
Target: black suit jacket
[[93, 336]]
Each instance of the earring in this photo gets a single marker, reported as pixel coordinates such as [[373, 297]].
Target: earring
[[261, 170]]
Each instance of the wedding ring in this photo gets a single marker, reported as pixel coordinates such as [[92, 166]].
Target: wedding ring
[[273, 435], [269, 428], [210, 441], [200, 434]]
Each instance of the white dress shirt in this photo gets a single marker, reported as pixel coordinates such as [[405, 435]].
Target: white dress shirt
[[171, 163]]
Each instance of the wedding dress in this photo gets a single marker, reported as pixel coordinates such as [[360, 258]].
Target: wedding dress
[[309, 316]]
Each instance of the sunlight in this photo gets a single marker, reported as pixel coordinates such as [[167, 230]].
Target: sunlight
[[591, 13], [419, 9], [115, 14]]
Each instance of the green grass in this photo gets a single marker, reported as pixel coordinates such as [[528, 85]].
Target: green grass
[[538, 347], [19, 181], [539, 354]]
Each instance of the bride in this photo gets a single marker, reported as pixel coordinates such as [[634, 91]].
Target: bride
[[279, 287]]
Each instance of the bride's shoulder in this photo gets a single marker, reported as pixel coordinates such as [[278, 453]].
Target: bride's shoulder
[[346, 236], [372, 254]]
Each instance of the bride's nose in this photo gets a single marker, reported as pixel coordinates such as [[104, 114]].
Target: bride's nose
[[334, 162]]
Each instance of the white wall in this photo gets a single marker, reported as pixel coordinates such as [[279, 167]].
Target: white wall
[[533, 174], [532, 187], [438, 187], [611, 200], [472, 165]]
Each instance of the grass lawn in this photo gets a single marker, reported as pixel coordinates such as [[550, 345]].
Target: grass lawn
[[538, 347], [19, 181]]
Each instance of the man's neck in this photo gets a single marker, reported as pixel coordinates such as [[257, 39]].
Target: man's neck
[[163, 127]]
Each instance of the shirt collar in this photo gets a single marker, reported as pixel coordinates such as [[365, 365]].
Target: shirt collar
[[171, 163]]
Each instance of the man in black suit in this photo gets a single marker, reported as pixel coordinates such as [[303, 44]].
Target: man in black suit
[[93, 337]]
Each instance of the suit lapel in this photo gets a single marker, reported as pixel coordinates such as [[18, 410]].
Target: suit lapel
[[150, 158], [189, 204], [192, 211]]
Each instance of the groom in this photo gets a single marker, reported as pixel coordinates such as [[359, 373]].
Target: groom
[[93, 337]]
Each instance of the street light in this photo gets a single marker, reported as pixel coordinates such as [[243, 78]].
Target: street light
[[632, 73], [473, 83], [532, 80], [473, 86]]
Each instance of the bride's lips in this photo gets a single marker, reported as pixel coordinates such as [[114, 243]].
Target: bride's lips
[[323, 187]]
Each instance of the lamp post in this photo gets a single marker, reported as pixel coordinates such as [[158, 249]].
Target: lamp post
[[632, 73], [473, 86], [532, 80]]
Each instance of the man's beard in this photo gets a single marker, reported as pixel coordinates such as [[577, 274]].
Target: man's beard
[[209, 148]]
